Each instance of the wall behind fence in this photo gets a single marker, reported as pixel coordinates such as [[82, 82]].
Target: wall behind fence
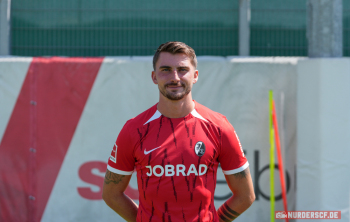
[[61, 117]]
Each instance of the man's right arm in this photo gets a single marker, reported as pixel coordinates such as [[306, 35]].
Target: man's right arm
[[113, 194]]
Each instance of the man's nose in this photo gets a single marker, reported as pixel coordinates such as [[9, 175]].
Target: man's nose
[[175, 76]]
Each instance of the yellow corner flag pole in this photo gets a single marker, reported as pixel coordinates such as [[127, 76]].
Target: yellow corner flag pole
[[272, 159]]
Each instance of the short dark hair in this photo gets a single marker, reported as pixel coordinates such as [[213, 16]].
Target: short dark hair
[[175, 48]]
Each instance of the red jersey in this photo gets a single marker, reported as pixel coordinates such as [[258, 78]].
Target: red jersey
[[176, 161]]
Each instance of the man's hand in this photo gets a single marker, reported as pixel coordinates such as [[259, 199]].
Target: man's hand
[[242, 188], [113, 194]]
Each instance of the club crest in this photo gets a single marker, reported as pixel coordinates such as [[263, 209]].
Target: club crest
[[199, 148]]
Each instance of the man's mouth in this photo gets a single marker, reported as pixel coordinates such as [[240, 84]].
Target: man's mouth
[[174, 86]]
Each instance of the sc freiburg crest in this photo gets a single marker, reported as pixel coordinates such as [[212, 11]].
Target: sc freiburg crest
[[199, 148]]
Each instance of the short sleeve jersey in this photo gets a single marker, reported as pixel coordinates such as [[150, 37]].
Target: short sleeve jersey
[[176, 161]]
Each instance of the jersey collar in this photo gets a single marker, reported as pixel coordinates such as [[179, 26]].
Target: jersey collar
[[157, 114]]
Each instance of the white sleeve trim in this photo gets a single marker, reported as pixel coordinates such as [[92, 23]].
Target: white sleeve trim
[[240, 169], [113, 170]]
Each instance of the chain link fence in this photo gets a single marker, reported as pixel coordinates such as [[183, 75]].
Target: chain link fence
[[278, 28], [134, 27], [100, 28], [346, 27]]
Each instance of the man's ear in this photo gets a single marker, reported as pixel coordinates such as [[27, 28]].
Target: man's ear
[[154, 78], [195, 79]]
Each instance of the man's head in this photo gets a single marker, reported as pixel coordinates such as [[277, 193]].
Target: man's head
[[175, 48], [175, 70]]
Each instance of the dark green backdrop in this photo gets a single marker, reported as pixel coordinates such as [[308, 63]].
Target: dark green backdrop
[[137, 27]]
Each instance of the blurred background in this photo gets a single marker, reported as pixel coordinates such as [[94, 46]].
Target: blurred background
[[72, 72]]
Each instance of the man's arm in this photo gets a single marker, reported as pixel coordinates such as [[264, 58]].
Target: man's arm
[[242, 188], [113, 194]]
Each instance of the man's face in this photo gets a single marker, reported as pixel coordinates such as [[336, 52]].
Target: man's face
[[175, 75]]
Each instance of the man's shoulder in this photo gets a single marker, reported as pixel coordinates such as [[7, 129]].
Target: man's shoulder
[[142, 118], [212, 116]]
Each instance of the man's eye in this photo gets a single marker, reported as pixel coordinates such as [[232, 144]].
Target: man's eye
[[183, 70], [166, 70]]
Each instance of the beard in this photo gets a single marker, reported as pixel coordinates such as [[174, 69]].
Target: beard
[[174, 95]]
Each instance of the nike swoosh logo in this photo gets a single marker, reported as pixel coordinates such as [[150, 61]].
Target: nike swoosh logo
[[147, 152]]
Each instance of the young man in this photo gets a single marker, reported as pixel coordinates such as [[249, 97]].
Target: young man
[[176, 147]]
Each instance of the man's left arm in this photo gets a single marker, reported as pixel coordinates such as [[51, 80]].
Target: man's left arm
[[243, 196]]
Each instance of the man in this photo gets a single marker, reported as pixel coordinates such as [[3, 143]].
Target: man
[[176, 147]]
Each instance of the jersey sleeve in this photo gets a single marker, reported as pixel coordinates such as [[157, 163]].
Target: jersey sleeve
[[231, 158], [121, 160]]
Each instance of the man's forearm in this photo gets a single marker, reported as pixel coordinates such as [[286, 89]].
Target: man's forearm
[[226, 213], [242, 188], [113, 194], [232, 208], [124, 206]]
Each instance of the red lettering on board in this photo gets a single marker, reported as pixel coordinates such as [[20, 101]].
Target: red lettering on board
[[86, 175]]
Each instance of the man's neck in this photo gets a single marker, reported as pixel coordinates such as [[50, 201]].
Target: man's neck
[[175, 108]]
